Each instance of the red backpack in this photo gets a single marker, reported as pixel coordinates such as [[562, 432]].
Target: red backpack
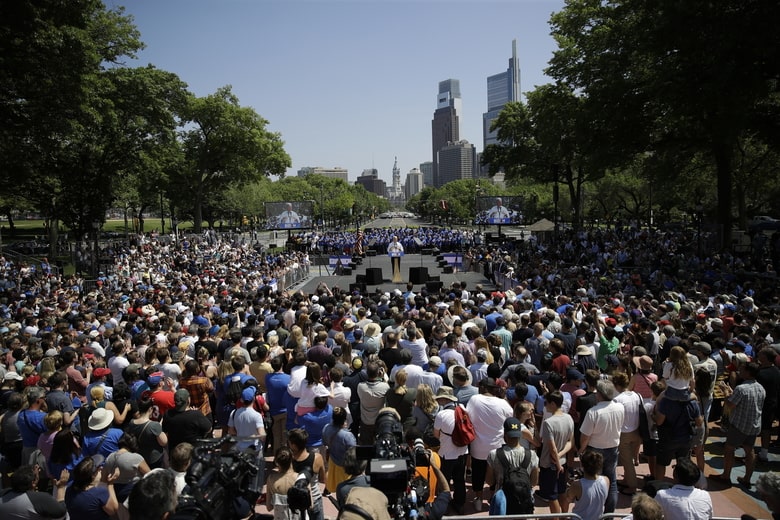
[[463, 434]]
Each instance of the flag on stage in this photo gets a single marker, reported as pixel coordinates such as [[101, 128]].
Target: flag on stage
[[359, 243]]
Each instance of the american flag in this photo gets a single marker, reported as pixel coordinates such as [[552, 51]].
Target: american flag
[[359, 242]]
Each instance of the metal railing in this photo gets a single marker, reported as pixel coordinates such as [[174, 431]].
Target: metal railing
[[528, 516]]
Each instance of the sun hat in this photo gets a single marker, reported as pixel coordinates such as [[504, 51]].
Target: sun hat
[[100, 419], [445, 392]]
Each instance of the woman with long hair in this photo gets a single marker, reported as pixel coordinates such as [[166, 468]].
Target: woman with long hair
[[86, 498], [296, 340], [47, 368], [311, 387], [424, 413], [220, 396], [481, 343], [149, 434], [678, 375], [402, 399], [524, 412], [65, 453]]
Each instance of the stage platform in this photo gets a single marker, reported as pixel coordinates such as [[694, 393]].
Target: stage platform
[[445, 271]]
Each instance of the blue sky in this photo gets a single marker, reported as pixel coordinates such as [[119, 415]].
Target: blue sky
[[347, 83]]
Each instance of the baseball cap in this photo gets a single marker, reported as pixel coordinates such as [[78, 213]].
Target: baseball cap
[[181, 399], [512, 428], [248, 394], [101, 372], [155, 378]]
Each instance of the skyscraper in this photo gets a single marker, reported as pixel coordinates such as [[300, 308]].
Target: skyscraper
[[501, 89], [457, 161], [445, 127], [426, 168]]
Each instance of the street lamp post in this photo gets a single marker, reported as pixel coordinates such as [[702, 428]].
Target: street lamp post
[[699, 214], [162, 215], [95, 256], [322, 206]]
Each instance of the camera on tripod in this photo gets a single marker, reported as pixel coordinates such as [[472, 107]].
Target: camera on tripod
[[392, 466], [220, 483]]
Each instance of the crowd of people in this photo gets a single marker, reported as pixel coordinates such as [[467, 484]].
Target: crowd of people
[[593, 351]]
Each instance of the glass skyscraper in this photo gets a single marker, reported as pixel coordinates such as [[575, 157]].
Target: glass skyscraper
[[501, 89], [445, 127]]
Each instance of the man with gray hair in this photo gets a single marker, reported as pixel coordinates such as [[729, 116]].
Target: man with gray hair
[[600, 431]]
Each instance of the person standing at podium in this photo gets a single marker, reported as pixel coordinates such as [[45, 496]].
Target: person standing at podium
[[395, 249]]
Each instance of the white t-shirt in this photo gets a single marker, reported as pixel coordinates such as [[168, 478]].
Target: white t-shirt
[[116, 364], [488, 414], [445, 421], [602, 424], [674, 382]]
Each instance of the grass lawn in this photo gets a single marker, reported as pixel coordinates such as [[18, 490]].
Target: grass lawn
[[26, 229]]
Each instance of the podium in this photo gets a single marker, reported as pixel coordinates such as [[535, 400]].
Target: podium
[[395, 258]]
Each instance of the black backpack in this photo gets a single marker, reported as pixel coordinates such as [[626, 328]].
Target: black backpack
[[517, 484], [299, 494], [234, 391], [515, 473]]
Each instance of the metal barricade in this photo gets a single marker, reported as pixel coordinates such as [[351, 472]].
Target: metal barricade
[[531, 516], [605, 516]]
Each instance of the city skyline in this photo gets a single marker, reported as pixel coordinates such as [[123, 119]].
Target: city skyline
[[347, 84]]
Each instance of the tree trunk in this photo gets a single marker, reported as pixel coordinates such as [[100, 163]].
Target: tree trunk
[[140, 217], [723, 154], [197, 214], [53, 235]]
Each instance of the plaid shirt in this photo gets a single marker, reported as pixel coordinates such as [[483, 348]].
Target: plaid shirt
[[199, 388], [748, 399]]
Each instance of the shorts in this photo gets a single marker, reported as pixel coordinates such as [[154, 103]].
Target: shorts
[[670, 450], [735, 437], [650, 447], [698, 437], [552, 483]]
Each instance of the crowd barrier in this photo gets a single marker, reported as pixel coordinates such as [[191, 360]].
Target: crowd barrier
[[521, 517], [293, 276]]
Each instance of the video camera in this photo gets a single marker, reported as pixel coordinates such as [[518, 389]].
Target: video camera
[[220, 483], [392, 466]]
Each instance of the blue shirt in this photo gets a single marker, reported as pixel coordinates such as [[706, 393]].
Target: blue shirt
[[276, 392], [31, 426], [314, 422], [91, 443], [87, 505]]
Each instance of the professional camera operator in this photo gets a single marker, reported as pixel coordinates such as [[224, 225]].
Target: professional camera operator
[[367, 503], [396, 470]]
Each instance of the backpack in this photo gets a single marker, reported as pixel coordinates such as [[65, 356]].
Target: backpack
[[234, 391], [428, 437], [515, 473], [299, 494], [463, 434]]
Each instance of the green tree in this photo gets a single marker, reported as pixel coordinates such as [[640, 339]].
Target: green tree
[[547, 140], [54, 55], [225, 143], [675, 78]]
